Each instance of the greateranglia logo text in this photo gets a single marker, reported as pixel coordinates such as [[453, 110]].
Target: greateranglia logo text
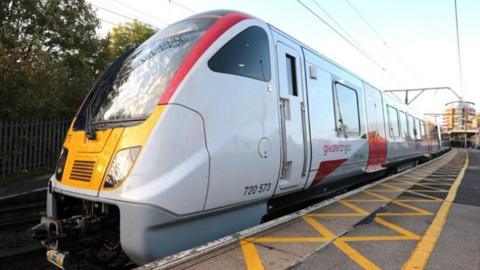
[[332, 148]]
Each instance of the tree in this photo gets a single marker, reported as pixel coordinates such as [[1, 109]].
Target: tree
[[50, 55], [127, 35]]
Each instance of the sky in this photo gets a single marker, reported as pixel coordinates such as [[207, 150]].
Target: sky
[[408, 43]]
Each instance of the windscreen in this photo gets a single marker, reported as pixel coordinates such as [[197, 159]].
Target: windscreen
[[144, 75]]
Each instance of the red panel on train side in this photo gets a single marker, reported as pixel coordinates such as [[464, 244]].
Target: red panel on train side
[[326, 168], [377, 143]]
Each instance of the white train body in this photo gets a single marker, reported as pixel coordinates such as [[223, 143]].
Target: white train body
[[250, 119]]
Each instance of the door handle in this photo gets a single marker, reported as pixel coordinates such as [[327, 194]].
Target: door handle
[[284, 171], [304, 132]]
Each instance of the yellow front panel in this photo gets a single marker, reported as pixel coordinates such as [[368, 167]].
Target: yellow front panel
[[88, 160]]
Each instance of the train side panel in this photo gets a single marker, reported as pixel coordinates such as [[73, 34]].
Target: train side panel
[[337, 122], [241, 117]]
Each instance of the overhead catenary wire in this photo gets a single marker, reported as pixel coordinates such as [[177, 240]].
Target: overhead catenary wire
[[182, 6], [141, 12], [115, 24], [341, 28], [351, 43], [124, 16], [375, 32], [458, 50]]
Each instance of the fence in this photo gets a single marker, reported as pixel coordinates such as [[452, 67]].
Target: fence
[[26, 145]]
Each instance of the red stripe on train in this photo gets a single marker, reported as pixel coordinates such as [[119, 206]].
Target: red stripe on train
[[326, 168], [207, 39]]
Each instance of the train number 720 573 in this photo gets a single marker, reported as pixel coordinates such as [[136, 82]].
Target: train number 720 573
[[251, 190]]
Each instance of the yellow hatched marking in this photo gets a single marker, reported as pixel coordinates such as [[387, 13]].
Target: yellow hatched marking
[[365, 200], [253, 260], [413, 192], [375, 238], [418, 211], [322, 230], [355, 255], [411, 207], [337, 215], [378, 196], [429, 190], [438, 182], [427, 186], [355, 208], [398, 229], [290, 239], [418, 200], [420, 255], [250, 255], [340, 244]]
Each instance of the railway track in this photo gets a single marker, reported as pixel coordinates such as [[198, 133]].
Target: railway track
[[18, 213], [14, 217]]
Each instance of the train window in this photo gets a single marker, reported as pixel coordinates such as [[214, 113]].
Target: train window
[[247, 54], [393, 122], [417, 129], [403, 124], [291, 75], [346, 110], [411, 127], [423, 129]]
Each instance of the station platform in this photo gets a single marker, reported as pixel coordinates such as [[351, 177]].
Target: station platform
[[425, 218]]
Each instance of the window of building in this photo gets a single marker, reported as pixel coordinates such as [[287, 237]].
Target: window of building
[[247, 55], [393, 122], [403, 124], [291, 75], [346, 110]]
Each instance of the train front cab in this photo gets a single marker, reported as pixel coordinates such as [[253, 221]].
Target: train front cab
[[136, 166]]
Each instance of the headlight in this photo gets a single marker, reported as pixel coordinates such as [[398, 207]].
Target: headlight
[[61, 164], [121, 166]]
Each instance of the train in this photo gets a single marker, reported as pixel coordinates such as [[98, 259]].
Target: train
[[207, 128]]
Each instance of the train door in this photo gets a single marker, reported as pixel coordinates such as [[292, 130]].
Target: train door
[[377, 143], [295, 151]]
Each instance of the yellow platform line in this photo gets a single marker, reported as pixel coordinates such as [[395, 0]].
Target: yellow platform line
[[420, 255], [250, 255]]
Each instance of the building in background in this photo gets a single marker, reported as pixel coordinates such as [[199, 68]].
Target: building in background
[[461, 122]]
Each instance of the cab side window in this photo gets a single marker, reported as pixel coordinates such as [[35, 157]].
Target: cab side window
[[247, 55]]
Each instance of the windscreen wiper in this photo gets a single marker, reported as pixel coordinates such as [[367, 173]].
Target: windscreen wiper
[[100, 89]]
